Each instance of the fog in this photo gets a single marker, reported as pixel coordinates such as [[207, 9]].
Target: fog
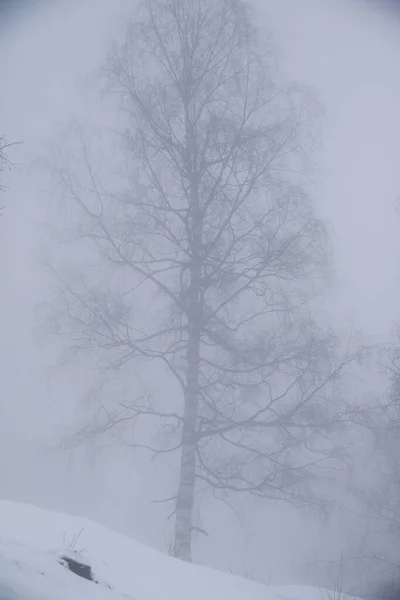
[[348, 52]]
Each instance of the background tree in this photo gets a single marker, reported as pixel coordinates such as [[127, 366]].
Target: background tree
[[209, 254], [379, 493], [4, 162], [370, 509]]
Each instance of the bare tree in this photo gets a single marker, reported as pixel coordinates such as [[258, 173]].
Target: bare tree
[[210, 221], [383, 498], [373, 513], [4, 145], [5, 162]]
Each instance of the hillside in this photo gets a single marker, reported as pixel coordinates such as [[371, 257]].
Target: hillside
[[32, 542]]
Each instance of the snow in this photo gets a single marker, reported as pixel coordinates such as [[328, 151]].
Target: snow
[[33, 541]]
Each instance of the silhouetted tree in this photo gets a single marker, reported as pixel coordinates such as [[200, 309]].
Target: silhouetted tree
[[214, 226], [3, 163]]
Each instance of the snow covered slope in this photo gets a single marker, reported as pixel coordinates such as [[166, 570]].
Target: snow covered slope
[[33, 540]]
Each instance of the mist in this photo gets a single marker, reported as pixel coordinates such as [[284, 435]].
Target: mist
[[348, 53]]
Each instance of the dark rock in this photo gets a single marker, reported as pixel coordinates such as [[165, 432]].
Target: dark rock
[[78, 567]]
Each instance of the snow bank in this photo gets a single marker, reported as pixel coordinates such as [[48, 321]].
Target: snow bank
[[32, 542]]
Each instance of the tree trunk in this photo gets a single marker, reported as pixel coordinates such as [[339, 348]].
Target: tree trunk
[[185, 502], [187, 481]]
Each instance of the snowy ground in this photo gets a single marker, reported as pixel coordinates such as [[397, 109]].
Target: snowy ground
[[33, 540]]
